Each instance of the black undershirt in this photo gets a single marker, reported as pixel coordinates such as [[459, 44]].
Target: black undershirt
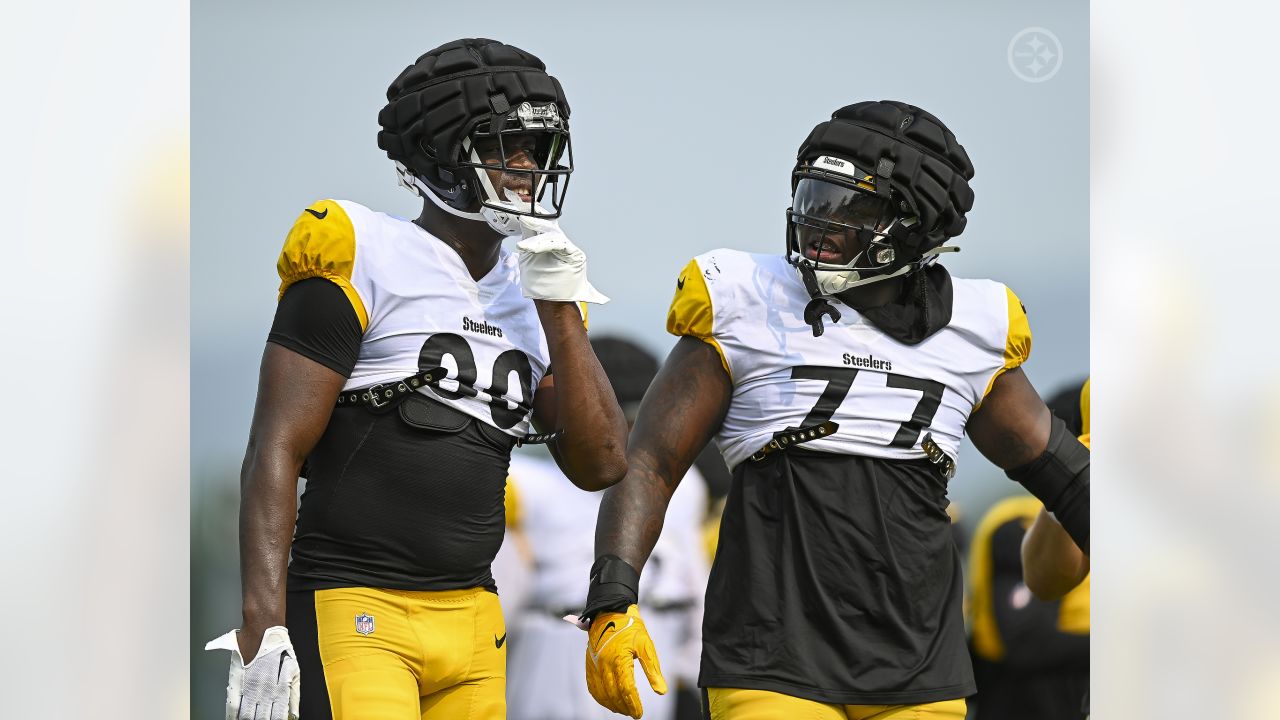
[[315, 319], [386, 504]]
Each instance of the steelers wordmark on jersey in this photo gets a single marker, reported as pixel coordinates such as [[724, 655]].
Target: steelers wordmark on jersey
[[836, 579], [884, 395], [420, 308]]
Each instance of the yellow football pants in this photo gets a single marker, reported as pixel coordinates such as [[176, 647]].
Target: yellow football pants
[[407, 655], [742, 704]]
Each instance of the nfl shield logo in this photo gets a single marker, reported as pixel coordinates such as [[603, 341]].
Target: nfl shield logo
[[364, 624]]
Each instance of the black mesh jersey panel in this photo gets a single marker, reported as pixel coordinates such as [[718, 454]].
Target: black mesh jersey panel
[[392, 506], [836, 579]]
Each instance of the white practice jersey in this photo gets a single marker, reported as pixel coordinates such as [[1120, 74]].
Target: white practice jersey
[[420, 308], [885, 395], [557, 521]]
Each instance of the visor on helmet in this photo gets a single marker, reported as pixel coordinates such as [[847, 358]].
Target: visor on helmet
[[823, 212]]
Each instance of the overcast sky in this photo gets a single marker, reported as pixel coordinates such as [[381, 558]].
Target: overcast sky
[[686, 118]]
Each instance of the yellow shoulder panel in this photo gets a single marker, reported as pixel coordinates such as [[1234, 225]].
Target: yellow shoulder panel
[[322, 243], [982, 624], [511, 504], [1084, 408], [691, 313], [1017, 343], [583, 307]]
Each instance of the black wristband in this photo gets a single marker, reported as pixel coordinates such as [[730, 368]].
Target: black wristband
[[1059, 478], [614, 587]]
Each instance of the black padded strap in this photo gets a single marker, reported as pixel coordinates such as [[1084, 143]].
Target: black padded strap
[[787, 438], [384, 396]]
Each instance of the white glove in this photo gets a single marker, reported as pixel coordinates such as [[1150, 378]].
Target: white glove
[[268, 687], [551, 266]]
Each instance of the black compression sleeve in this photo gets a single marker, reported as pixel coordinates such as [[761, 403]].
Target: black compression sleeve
[[315, 319], [1059, 478], [615, 586]]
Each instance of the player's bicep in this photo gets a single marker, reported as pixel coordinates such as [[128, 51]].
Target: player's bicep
[[296, 396], [682, 410], [1012, 425]]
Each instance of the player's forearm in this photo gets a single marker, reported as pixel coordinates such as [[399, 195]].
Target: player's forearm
[[268, 507], [627, 528], [592, 449], [631, 514], [1052, 564]]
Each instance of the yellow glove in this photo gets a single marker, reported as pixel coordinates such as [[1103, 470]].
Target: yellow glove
[[614, 641]]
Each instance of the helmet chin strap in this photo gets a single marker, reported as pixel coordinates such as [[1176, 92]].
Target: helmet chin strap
[[416, 186], [440, 203], [504, 223], [832, 282]]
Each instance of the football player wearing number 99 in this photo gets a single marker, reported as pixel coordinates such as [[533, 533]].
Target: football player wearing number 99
[[406, 360], [838, 381]]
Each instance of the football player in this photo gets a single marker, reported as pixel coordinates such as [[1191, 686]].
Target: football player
[[1030, 656], [1052, 564], [405, 361], [545, 517], [838, 380]]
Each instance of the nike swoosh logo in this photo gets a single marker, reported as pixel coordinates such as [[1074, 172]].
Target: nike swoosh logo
[[497, 641], [680, 284], [319, 215], [595, 654], [605, 630]]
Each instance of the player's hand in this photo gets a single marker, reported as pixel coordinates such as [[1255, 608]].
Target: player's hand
[[267, 688], [551, 266], [614, 642]]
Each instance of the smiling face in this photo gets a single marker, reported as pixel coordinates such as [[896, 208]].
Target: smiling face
[[521, 151]]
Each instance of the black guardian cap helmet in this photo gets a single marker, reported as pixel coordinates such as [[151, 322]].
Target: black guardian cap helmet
[[888, 174], [463, 97]]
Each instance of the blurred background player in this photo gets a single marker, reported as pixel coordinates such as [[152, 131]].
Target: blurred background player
[[838, 380], [391, 611], [1031, 655], [1052, 563], [550, 525]]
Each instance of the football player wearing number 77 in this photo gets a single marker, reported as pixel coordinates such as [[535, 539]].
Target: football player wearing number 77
[[838, 381], [405, 362]]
